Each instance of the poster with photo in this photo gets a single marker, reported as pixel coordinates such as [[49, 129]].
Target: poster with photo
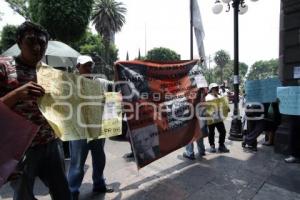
[[160, 106]]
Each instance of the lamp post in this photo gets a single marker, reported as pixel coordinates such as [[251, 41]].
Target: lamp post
[[239, 7]]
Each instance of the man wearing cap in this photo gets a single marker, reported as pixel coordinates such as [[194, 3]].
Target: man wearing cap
[[79, 150], [85, 64], [212, 95]]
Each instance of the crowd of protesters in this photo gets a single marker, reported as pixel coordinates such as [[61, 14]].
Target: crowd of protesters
[[44, 158], [258, 119]]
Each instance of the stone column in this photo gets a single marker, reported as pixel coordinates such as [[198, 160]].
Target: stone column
[[289, 63]]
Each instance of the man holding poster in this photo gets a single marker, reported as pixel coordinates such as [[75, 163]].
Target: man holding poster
[[218, 110], [19, 91], [79, 149]]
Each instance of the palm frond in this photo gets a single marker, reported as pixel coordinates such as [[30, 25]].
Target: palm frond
[[108, 16]]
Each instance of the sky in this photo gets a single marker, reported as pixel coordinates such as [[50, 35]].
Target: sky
[[165, 23]]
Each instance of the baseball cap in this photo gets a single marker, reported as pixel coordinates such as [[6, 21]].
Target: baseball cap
[[212, 85], [84, 59]]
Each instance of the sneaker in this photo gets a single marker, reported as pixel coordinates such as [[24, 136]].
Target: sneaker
[[128, 155], [223, 149], [105, 189], [190, 157], [244, 144], [213, 149], [252, 147], [292, 159], [202, 153]]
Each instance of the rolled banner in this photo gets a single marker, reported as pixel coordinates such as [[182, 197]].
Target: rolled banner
[[17, 134]]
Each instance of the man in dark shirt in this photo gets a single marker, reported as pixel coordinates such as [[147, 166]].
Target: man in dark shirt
[[19, 91]]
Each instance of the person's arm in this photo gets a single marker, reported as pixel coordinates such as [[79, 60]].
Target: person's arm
[[30, 89], [10, 97]]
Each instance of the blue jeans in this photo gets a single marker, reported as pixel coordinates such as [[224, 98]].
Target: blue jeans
[[46, 162], [78, 152], [189, 149]]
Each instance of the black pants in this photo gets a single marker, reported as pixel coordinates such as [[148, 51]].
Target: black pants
[[46, 162], [222, 133], [254, 129]]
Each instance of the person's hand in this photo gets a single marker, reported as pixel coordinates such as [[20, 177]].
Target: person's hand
[[29, 90]]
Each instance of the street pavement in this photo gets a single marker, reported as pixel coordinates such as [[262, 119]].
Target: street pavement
[[236, 175]]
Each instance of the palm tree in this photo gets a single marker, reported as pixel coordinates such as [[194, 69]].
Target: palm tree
[[108, 17], [221, 59]]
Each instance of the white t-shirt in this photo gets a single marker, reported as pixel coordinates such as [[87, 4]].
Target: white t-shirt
[[225, 93], [210, 97]]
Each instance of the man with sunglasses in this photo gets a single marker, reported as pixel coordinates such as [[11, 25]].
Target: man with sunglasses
[[19, 91]]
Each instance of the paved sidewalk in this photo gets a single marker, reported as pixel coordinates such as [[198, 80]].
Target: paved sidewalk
[[236, 175]]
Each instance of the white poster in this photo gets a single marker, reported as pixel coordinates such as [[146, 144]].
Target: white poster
[[297, 72]]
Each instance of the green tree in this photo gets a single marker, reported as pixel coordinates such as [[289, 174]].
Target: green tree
[[92, 44], [21, 7], [212, 75], [89, 43], [108, 17], [65, 20], [243, 69], [127, 56], [8, 37], [162, 54], [139, 55], [263, 69], [228, 72], [209, 75], [221, 59], [106, 66]]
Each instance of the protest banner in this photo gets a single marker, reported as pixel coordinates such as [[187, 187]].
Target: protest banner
[[289, 100], [17, 134], [73, 105], [160, 101], [262, 91]]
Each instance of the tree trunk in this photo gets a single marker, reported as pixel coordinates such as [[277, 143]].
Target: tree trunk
[[222, 75]]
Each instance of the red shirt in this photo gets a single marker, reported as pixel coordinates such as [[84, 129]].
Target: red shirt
[[14, 74]]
